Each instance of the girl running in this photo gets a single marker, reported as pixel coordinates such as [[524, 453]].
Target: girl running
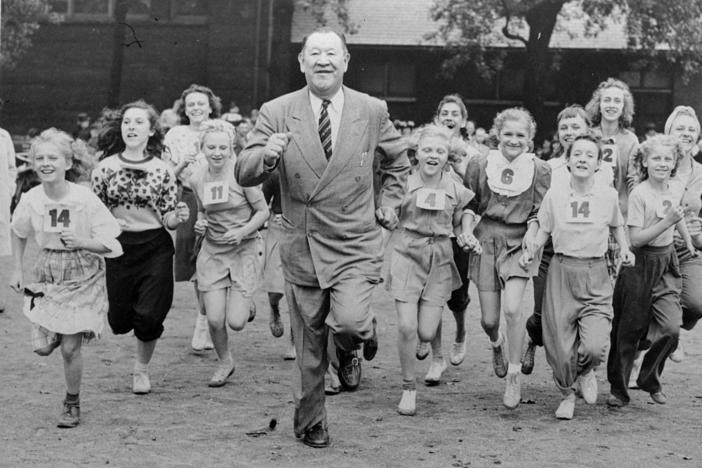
[[231, 256], [66, 301], [509, 184], [422, 272], [577, 303]]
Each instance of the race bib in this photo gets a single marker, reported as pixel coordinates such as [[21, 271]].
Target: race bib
[[579, 210], [215, 192], [610, 154], [664, 205], [511, 178], [57, 218], [431, 199]]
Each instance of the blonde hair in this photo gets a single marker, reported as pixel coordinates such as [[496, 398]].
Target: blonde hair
[[647, 148], [516, 114], [680, 111], [74, 151], [216, 126], [593, 107]]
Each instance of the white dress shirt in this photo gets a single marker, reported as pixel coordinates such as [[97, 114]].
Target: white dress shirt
[[334, 110]]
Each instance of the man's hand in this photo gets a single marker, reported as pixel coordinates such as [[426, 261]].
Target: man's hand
[[275, 147], [387, 218]]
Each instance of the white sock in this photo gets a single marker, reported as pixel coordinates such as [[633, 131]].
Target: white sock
[[139, 367], [514, 368], [500, 340]]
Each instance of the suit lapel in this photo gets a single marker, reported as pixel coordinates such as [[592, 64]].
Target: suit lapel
[[351, 130], [301, 125]]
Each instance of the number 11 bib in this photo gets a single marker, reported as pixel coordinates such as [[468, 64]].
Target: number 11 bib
[[215, 192]]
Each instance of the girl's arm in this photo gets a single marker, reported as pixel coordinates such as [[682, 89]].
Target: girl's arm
[[641, 236], [466, 239], [539, 240], [626, 254], [681, 227], [261, 213], [18, 246], [70, 240]]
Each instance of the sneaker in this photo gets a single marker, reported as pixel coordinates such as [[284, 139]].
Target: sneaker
[[635, 370], [678, 355], [422, 351], [458, 351], [659, 397], [141, 385], [499, 362], [513, 391], [436, 368], [44, 342], [290, 353], [70, 415], [209, 345], [566, 408], [588, 387], [333, 385], [528, 358], [616, 402], [200, 334], [275, 324], [252, 311], [408, 403], [223, 372]]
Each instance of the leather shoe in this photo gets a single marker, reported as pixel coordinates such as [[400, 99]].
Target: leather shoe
[[349, 369], [317, 436], [370, 347], [528, 358]]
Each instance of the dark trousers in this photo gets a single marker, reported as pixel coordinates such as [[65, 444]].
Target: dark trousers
[[459, 297], [646, 307], [533, 323]]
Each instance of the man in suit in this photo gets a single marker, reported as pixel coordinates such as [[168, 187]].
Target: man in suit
[[323, 140]]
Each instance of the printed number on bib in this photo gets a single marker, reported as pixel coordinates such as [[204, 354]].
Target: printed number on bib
[[431, 199], [510, 179], [609, 154], [57, 218], [579, 210], [215, 192], [664, 206]]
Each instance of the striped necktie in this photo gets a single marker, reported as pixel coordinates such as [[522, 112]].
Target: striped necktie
[[325, 129]]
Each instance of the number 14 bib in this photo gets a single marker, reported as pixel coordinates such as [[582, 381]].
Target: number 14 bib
[[580, 210], [57, 217]]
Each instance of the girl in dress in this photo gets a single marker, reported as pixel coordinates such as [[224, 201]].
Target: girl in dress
[[509, 184], [423, 272], [231, 256], [66, 300], [140, 191]]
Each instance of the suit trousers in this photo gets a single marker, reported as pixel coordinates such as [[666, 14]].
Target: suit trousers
[[646, 307], [345, 309]]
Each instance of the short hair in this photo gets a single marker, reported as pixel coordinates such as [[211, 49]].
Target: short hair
[[216, 126], [646, 148], [589, 136], [515, 113], [326, 30], [110, 139], [453, 99], [574, 111], [680, 111], [593, 107], [74, 151], [215, 102]]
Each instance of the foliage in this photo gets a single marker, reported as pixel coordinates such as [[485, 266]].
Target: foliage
[[20, 20], [320, 9]]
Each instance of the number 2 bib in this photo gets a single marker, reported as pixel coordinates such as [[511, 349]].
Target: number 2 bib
[[579, 210], [431, 199], [215, 192], [664, 205], [610, 154], [57, 217]]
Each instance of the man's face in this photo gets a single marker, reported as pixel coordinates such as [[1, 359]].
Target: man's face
[[324, 62]]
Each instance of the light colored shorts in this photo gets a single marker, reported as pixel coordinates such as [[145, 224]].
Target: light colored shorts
[[221, 266]]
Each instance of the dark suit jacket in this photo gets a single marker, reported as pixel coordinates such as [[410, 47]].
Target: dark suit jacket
[[329, 207]]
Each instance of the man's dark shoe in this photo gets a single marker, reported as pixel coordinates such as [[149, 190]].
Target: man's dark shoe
[[370, 347], [349, 369], [317, 436], [528, 358]]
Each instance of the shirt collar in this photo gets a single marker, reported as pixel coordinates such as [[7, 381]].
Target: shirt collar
[[415, 182], [337, 101], [589, 193]]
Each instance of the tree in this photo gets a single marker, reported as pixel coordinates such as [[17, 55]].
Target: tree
[[670, 29], [20, 20]]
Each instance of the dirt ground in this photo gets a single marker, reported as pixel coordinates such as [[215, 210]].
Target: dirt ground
[[459, 423]]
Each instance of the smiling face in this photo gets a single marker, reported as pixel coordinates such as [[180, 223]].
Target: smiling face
[[659, 163], [569, 128], [450, 116], [432, 155], [514, 138], [49, 164], [584, 159], [217, 149], [197, 107], [324, 62], [687, 130], [136, 128], [612, 104]]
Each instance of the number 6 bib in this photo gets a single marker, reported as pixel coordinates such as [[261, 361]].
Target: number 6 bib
[[57, 218], [431, 199], [215, 192], [579, 210]]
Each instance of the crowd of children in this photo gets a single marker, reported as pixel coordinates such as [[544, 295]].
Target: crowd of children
[[607, 228]]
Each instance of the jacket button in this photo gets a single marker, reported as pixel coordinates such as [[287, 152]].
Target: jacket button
[[297, 175], [358, 178]]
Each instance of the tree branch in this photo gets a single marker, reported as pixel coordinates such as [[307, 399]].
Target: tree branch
[[505, 29]]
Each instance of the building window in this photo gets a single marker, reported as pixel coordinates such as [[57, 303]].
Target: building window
[[89, 10], [653, 96], [391, 81], [188, 8]]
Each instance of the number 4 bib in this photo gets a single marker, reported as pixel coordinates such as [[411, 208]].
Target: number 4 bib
[[215, 192], [579, 210], [431, 199], [57, 218]]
